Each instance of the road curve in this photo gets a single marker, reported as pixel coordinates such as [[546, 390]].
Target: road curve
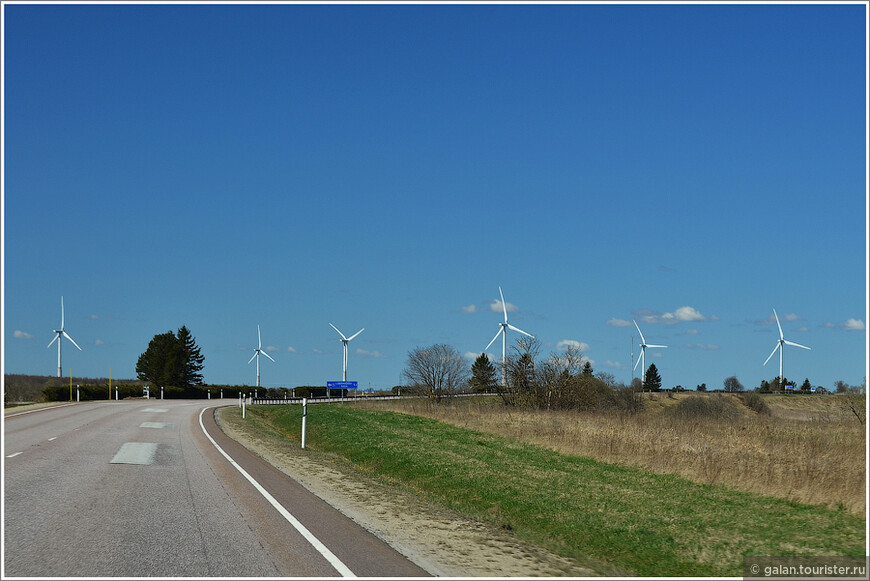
[[142, 489]]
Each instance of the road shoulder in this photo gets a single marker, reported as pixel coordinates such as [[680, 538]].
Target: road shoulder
[[438, 540]]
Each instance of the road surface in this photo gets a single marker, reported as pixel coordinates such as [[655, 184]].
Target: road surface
[[148, 489]]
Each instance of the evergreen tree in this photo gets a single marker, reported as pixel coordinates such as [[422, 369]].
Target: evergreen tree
[[652, 381], [587, 369], [806, 385], [483, 378], [171, 360], [161, 362], [192, 359]]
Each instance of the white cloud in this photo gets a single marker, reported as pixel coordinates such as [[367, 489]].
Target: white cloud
[[771, 320], [681, 315], [692, 332], [688, 314], [98, 342], [469, 309], [615, 364], [853, 325], [372, 354], [829, 325], [702, 347], [565, 343], [22, 335], [291, 350], [618, 323], [496, 307], [94, 317], [271, 348]]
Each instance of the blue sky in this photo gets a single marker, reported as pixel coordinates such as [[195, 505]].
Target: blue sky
[[690, 167]]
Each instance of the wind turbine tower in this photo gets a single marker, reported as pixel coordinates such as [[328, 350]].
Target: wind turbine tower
[[503, 327], [344, 342], [257, 352], [642, 358], [779, 345], [61, 333]]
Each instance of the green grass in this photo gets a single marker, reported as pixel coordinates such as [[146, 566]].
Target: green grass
[[637, 522]]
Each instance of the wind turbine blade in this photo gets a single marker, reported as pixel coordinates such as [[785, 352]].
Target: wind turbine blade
[[662, 346], [787, 342], [520, 331], [259, 343], [771, 354], [337, 331], [65, 334], [252, 356], [56, 337], [503, 306], [638, 361], [500, 329], [357, 333], [777, 323], [61, 313], [267, 355], [642, 340]]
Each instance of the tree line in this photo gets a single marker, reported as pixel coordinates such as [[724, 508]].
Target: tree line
[[563, 380]]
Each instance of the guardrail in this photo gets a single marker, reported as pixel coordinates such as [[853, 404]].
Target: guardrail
[[324, 399]]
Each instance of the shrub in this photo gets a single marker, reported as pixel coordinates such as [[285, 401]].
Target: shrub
[[755, 402], [704, 408]]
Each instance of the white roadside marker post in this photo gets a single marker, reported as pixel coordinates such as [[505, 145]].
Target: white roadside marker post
[[244, 403], [304, 417]]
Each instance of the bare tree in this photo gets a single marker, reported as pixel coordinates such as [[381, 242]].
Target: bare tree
[[437, 371], [732, 384]]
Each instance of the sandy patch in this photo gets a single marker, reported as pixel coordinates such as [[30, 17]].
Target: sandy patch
[[431, 536]]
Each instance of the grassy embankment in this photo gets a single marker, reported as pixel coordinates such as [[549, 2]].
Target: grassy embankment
[[809, 449], [635, 520]]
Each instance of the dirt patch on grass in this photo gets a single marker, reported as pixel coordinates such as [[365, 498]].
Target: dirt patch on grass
[[440, 541]]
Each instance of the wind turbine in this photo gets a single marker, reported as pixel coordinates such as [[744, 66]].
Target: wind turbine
[[60, 332], [643, 346], [345, 341], [257, 353], [503, 331], [779, 345]]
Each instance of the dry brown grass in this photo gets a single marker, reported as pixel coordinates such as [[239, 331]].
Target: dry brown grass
[[809, 450]]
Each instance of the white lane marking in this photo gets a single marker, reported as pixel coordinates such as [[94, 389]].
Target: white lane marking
[[52, 439], [14, 455], [51, 407], [315, 542], [157, 425], [135, 453], [154, 410]]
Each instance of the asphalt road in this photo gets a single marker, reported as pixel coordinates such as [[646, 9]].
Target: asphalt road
[[141, 489]]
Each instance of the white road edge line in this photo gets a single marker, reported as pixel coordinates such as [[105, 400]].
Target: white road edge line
[[51, 407], [315, 542], [14, 455]]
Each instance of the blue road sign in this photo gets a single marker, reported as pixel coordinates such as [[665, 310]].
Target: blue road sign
[[341, 384]]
